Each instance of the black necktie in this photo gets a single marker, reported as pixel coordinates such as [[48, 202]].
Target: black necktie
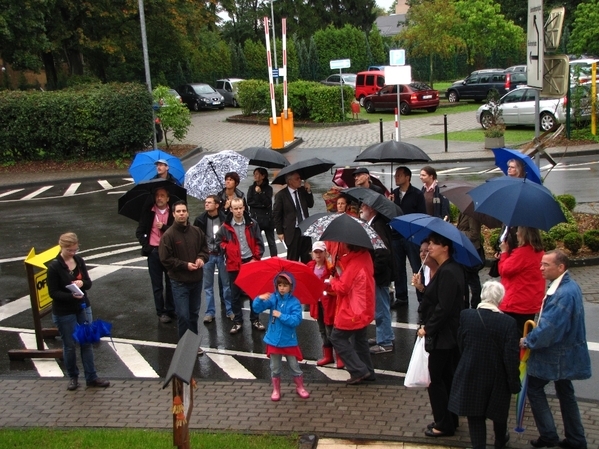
[[298, 208]]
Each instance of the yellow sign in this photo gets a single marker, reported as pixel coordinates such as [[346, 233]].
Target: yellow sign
[[40, 260], [41, 290]]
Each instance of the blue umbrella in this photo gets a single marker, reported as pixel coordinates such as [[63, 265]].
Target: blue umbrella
[[503, 155], [143, 166], [518, 202], [417, 227]]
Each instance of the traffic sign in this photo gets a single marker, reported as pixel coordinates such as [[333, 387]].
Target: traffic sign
[[553, 28], [340, 64], [401, 74], [397, 57], [275, 73], [535, 40]]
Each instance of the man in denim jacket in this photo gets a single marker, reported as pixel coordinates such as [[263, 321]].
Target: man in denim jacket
[[558, 353]]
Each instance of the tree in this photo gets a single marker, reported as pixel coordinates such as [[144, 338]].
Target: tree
[[174, 115], [585, 33], [431, 30]]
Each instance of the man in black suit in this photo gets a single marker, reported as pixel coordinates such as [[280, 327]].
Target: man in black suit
[[290, 208]]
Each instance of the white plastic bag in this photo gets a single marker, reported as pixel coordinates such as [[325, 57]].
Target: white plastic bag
[[417, 374]]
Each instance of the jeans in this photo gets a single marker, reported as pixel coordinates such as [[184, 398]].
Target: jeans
[[403, 248], [236, 304], [353, 348], [188, 297], [162, 300], [216, 261], [276, 361], [382, 317], [66, 326], [541, 412]]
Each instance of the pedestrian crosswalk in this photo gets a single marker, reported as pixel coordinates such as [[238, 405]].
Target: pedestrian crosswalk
[[62, 190]]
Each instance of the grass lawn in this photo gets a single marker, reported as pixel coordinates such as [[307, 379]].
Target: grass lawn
[[135, 439], [513, 137], [389, 116]]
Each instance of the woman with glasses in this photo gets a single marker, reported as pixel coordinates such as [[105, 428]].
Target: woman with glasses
[[70, 308]]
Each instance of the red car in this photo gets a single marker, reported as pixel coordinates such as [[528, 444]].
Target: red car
[[413, 96]]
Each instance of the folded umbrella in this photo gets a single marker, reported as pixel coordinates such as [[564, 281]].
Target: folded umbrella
[[457, 193], [518, 202], [306, 169], [378, 202], [342, 228], [258, 277], [265, 157], [143, 167], [207, 177], [417, 227], [503, 155], [141, 196], [521, 397]]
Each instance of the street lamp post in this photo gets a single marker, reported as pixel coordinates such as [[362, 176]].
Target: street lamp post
[[144, 43], [274, 40]]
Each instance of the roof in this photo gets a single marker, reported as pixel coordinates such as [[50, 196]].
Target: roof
[[389, 25]]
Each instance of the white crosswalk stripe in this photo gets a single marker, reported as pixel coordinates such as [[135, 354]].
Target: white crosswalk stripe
[[134, 361], [72, 189], [44, 367], [36, 193], [230, 366]]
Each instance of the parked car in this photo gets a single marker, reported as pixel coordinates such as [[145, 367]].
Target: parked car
[[349, 79], [580, 70], [516, 68], [518, 108], [415, 95], [480, 83], [200, 96], [228, 89], [376, 67], [368, 83]]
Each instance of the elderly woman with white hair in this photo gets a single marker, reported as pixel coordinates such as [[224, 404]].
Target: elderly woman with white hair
[[487, 374]]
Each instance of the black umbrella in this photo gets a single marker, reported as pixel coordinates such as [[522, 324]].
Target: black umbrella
[[457, 193], [306, 169], [393, 151], [375, 200], [344, 228], [265, 157], [132, 203]]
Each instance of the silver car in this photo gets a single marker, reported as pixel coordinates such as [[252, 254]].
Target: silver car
[[518, 108], [335, 80]]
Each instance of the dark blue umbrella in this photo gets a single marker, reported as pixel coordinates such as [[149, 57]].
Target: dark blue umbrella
[[143, 166], [518, 202], [417, 227], [503, 155]]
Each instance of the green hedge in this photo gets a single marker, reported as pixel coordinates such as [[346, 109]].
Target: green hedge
[[102, 122]]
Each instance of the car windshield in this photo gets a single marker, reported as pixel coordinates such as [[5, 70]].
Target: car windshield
[[203, 89], [420, 86]]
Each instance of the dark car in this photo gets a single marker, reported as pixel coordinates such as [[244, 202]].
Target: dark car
[[200, 96], [412, 96], [480, 83]]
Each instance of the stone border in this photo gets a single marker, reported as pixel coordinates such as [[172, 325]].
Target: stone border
[[251, 120]]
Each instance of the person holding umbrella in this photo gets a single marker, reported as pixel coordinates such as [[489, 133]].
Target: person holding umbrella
[[162, 172], [259, 199], [442, 302], [362, 179], [70, 309]]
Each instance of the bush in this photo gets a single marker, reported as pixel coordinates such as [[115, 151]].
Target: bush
[[567, 200], [548, 241], [591, 239], [453, 213], [494, 239], [254, 96], [573, 242], [174, 116], [561, 229]]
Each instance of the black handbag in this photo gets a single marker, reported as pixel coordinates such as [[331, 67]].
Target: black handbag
[[494, 270], [430, 343]]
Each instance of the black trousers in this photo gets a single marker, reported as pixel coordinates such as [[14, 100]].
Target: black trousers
[[441, 366], [477, 427], [299, 247]]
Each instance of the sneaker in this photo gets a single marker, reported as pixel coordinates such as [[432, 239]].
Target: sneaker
[[231, 316], [258, 325], [378, 349], [372, 341], [235, 329], [164, 318], [101, 383], [208, 319], [73, 384]]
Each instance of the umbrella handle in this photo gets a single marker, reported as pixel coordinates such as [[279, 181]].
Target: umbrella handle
[[212, 167], [422, 266], [528, 326]]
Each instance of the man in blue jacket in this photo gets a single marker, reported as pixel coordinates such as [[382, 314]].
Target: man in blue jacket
[[558, 353]]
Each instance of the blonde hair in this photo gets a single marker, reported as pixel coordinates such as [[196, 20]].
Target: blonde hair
[[68, 239]]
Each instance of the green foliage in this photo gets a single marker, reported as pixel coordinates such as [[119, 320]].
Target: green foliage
[[345, 43], [561, 229], [174, 116], [548, 241], [255, 56], [254, 96], [497, 128], [591, 239], [585, 33], [567, 200], [102, 122], [494, 238], [453, 212], [324, 103], [573, 242]]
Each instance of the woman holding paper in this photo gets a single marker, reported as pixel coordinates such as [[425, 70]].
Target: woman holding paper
[[68, 282]]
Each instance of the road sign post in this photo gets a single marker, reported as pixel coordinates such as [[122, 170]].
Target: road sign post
[[535, 44], [341, 64]]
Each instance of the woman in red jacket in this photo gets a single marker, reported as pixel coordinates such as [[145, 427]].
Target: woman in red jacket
[[521, 276], [355, 311]]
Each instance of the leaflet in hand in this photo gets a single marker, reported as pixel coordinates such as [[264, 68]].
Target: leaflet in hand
[[76, 290]]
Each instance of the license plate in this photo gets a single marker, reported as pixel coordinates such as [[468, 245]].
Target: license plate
[[426, 97]]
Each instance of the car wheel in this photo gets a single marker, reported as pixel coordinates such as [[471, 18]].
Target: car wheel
[[548, 122], [431, 109], [196, 106], [361, 100], [404, 108], [369, 106], [234, 103], [453, 97], [486, 119]]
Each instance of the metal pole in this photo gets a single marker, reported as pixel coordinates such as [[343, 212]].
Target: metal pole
[[398, 130], [381, 129], [445, 130], [342, 104], [537, 126], [144, 44], [274, 40]]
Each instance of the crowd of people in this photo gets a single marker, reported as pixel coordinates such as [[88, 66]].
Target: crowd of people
[[473, 335]]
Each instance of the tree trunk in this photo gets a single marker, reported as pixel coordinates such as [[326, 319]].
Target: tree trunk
[[50, 68], [75, 60]]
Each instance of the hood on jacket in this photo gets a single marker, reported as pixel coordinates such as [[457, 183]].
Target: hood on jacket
[[289, 277]]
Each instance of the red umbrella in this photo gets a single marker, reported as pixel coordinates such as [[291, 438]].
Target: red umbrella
[[258, 277]]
